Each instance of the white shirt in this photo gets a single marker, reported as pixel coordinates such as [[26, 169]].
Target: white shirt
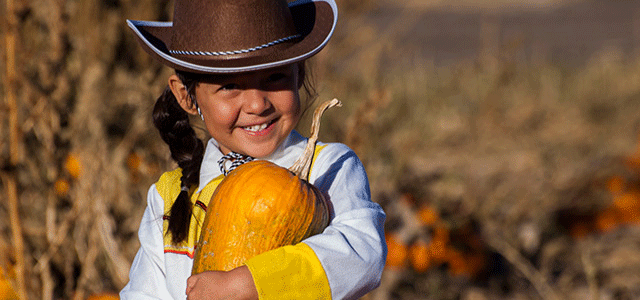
[[351, 249]]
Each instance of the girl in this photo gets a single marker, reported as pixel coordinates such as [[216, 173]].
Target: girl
[[239, 66]]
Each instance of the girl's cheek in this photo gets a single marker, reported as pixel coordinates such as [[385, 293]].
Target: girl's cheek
[[224, 114]]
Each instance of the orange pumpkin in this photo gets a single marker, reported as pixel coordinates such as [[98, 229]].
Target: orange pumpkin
[[73, 166], [607, 220], [397, 251], [419, 256], [7, 292], [261, 206], [61, 187], [615, 185], [427, 215], [104, 296]]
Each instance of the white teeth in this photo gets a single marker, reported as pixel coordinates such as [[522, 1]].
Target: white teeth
[[256, 127]]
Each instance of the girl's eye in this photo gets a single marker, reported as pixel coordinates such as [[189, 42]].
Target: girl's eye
[[278, 81], [228, 87], [276, 77]]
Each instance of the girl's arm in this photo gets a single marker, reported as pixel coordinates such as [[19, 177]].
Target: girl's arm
[[347, 259], [352, 249], [147, 278]]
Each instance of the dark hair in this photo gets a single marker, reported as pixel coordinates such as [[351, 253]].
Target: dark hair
[[186, 148]]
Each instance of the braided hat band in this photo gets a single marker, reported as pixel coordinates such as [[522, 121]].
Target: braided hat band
[[218, 53]]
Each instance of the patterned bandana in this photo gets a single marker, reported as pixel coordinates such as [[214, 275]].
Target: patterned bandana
[[231, 161]]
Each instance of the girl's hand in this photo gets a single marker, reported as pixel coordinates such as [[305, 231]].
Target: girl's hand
[[234, 284]]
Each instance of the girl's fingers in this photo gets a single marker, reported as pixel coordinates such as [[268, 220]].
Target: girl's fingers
[[191, 282]]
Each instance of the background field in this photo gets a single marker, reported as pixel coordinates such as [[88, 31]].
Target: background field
[[501, 137]]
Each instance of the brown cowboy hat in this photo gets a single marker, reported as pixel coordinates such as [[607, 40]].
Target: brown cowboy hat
[[224, 36]]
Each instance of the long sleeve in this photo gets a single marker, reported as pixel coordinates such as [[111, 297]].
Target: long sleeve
[[352, 249], [347, 259], [147, 276]]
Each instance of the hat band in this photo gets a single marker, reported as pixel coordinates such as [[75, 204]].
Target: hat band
[[216, 53]]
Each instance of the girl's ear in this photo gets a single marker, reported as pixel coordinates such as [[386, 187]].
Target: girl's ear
[[182, 96]]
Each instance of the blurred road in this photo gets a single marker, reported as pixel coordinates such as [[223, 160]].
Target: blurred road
[[566, 34]]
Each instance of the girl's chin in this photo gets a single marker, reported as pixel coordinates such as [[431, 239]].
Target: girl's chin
[[260, 146], [259, 152], [253, 148]]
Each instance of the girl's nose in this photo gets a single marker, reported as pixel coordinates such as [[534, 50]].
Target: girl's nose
[[256, 101]]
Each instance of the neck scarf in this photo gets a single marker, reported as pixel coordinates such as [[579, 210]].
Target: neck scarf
[[231, 161]]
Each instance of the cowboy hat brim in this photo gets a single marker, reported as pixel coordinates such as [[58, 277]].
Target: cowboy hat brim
[[315, 21]]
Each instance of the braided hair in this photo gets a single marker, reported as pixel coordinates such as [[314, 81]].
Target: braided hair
[[187, 149]]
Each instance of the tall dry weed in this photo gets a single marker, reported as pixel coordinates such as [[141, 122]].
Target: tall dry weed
[[79, 96]]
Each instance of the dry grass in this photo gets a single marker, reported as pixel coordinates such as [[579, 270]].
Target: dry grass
[[517, 147]]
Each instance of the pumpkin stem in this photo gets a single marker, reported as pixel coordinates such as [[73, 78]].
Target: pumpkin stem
[[303, 165]]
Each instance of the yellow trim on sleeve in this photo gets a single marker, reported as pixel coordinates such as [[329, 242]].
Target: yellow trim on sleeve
[[289, 272], [168, 187], [315, 155]]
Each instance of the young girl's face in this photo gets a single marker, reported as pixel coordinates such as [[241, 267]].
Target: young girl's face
[[251, 113]]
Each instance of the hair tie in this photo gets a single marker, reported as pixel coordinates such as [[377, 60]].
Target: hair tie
[[184, 188]]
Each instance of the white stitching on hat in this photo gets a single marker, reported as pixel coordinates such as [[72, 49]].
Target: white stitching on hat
[[235, 51]]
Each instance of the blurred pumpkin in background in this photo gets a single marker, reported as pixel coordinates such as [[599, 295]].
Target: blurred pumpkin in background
[[397, 251], [419, 256], [104, 296], [6, 287]]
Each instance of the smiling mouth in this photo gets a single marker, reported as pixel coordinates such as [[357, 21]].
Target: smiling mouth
[[259, 127]]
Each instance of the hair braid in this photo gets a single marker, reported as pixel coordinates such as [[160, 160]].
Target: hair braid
[[187, 150]]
